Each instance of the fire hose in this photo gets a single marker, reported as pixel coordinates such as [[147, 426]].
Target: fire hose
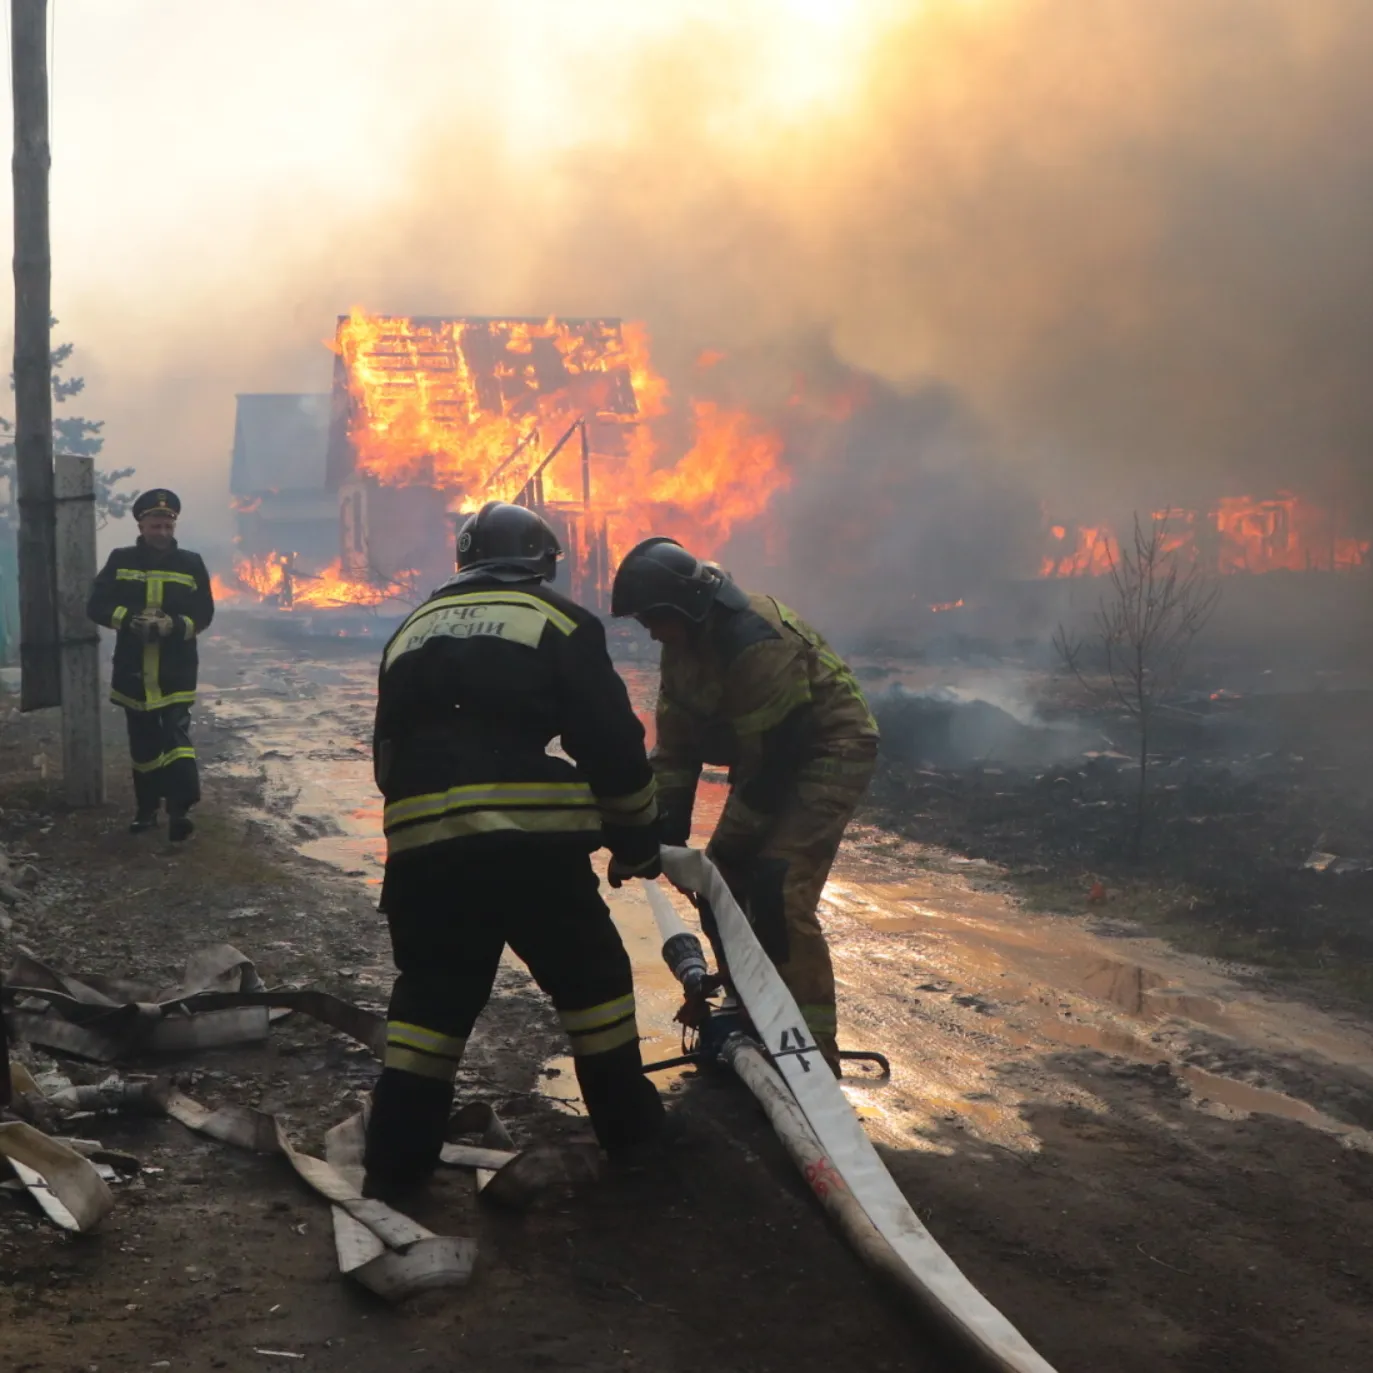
[[818, 1128]]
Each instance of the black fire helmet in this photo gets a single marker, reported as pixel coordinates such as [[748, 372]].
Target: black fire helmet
[[509, 536], [659, 574]]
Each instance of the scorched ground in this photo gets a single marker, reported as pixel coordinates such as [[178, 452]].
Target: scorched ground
[[1145, 1161]]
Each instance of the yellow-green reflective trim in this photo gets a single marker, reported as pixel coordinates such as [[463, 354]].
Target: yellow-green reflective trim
[[603, 1041], [515, 624], [638, 808], [190, 627], [405, 1035], [172, 756], [172, 698], [594, 1017], [152, 665], [117, 615], [422, 1065], [772, 713], [152, 652], [155, 575], [520, 598], [468, 824], [412, 808]]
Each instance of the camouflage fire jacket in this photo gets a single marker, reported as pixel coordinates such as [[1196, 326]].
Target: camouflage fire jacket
[[759, 691]]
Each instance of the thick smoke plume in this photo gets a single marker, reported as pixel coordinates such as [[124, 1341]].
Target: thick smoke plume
[[1102, 256]]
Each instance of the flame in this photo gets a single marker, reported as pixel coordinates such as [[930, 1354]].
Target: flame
[[726, 478], [940, 607], [1285, 533], [275, 576], [475, 408], [265, 574], [221, 590], [1091, 555], [1242, 534], [331, 587]]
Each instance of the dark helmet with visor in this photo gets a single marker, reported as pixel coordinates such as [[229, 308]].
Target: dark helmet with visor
[[660, 575], [509, 536]]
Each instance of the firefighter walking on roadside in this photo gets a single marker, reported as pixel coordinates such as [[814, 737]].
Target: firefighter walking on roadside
[[156, 596], [748, 684], [489, 838]]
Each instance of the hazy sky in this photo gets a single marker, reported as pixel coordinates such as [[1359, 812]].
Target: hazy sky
[[1131, 238]]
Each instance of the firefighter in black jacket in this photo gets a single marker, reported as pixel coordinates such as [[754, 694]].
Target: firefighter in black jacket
[[489, 837], [156, 597]]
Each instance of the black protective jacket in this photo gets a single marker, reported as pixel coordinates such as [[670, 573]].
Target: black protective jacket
[[474, 686], [161, 672]]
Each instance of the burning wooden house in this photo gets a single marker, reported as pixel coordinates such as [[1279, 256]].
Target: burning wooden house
[[433, 417]]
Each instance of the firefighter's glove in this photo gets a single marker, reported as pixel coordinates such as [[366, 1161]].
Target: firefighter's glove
[[619, 872], [163, 624], [144, 626]]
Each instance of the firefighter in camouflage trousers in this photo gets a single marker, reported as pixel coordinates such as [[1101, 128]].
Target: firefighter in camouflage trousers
[[748, 684]]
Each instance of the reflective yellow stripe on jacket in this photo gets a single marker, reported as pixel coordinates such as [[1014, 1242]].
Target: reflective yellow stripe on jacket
[[638, 808], [160, 575], [514, 615], [488, 808], [163, 760]]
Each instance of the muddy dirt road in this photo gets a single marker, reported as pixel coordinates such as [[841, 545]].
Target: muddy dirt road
[[1146, 1160]]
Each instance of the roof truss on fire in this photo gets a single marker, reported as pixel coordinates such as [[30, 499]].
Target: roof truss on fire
[[506, 363], [524, 369]]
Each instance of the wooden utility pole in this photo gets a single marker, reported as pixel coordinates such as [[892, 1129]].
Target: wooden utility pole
[[39, 654], [83, 752]]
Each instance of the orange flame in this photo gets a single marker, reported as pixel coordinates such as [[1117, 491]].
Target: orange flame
[[275, 575], [1243, 534], [1090, 556], [221, 590], [330, 587], [942, 607], [265, 575], [1285, 533], [475, 408]]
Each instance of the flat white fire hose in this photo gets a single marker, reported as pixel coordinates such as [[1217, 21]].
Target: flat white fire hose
[[838, 1157]]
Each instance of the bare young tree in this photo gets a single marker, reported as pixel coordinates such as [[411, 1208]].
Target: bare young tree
[[1141, 634]]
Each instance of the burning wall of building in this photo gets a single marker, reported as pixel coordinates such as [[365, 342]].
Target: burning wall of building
[[434, 417], [859, 502], [1240, 534]]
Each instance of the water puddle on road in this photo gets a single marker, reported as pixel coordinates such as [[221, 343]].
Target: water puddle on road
[[1026, 986], [997, 986], [657, 995]]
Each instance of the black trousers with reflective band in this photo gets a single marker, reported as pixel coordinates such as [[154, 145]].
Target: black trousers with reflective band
[[451, 918], [163, 757]]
